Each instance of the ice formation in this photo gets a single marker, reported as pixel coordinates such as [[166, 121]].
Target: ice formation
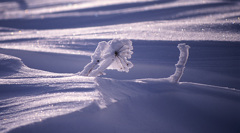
[[183, 57], [112, 55]]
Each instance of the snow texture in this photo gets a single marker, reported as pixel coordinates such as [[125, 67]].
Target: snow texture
[[111, 55], [10, 64], [44, 43]]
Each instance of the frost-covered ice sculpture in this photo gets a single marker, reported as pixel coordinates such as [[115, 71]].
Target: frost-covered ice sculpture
[[183, 57], [112, 55]]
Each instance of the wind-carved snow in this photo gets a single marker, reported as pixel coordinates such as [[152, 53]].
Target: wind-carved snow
[[109, 55], [10, 63], [13, 67], [29, 109], [149, 104], [30, 95], [29, 98]]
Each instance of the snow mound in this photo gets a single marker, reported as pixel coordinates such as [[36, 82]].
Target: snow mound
[[87, 100], [145, 105], [10, 64]]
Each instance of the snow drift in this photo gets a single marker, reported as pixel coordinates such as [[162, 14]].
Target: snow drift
[[126, 106], [60, 36], [10, 64], [42, 103]]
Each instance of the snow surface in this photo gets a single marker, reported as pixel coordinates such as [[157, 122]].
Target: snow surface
[[44, 43]]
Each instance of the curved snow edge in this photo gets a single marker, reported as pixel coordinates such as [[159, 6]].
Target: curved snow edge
[[10, 63]]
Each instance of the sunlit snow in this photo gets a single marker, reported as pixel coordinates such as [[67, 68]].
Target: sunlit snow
[[44, 44]]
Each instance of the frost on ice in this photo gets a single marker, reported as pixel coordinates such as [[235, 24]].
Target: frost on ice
[[183, 57], [109, 55]]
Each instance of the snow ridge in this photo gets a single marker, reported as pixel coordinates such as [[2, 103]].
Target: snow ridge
[[10, 63]]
